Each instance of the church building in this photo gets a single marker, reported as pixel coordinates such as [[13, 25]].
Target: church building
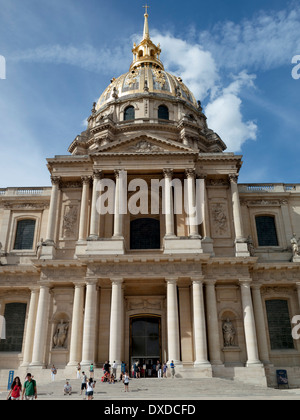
[[145, 247]]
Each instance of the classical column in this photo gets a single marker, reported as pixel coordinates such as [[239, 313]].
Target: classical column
[[95, 216], [191, 202], [52, 211], [169, 208], [199, 323], [89, 326], [173, 321], [41, 327], [116, 321], [213, 323], [77, 325], [239, 237], [84, 208], [249, 323], [118, 213], [29, 337], [260, 324]]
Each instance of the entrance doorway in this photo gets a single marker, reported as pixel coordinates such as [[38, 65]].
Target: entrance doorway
[[145, 344]]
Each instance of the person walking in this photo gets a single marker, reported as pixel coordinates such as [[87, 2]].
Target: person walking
[[90, 385], [92, 370], [126, 382], [172, 366], [83, 383], [158, 369], [114, 368], [15, 389], [165, 367], [29, 389]]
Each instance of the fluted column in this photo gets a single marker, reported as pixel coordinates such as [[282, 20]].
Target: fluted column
[[260, 324], [249, 323], [213, 324], [52, 210], [191, 203], [95, 216], [89, 326], [168, 203], [41, 327], [77, 325], [84, 208], [116, 321], [200, 340], [29, 337], [173, 321]]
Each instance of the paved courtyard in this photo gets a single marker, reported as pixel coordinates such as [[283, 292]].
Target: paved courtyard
[[155, 389]]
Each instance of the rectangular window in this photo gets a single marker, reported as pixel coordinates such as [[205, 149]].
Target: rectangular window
[[15, 321], [279, 324], [266, 231], [25, 234]]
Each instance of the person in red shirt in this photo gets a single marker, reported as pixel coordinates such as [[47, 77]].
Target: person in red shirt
[[15, 390]]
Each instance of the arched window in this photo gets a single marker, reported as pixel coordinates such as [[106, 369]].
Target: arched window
[[279, 323], [129, 113], [266, 231], [163, 112], [145, 234], [25, 234]]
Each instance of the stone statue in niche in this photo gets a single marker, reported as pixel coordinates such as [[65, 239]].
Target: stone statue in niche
[[228, 333], [69, 221], [295, 246], [61, 334]]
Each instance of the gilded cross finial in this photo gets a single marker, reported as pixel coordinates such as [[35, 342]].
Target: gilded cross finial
[[146, 8]]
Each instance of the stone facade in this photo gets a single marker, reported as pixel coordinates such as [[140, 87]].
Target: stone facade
[[207, 284]]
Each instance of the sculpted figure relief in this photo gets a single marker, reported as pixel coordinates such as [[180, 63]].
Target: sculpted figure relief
[[61, 334], [228, 333]]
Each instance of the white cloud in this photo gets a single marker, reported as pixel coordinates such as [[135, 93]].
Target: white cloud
[[265, 42], [224, 114]]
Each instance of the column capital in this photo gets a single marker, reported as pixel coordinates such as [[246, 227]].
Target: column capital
[[210, 282], [86, 179], [190, 173], [233, 178], [55, 180], [198, 279], [168, 173], [245, 281], [97, 174], [171, 280], [117, 280]]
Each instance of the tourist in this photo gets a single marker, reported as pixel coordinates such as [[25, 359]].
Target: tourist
[[172, 366], [114, 368], [92, 370], [30, 389], [126, 381], [15, 389], [90, 385], [53, 372], [158, 369], [67, 389], [83, 382], [123, 367], [165, 367], [78, 370]]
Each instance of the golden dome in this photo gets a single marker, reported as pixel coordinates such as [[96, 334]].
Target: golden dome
[[146, 76]]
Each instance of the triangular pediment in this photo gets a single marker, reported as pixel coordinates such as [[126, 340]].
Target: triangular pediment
[[144, 145]]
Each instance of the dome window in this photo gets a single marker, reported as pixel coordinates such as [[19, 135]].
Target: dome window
[[129, 113], [163, 112]]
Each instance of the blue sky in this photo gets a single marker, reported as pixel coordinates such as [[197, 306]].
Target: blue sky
[[235, 56]]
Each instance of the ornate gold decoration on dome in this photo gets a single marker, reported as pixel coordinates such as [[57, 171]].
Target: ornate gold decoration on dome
[[146, 53]]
